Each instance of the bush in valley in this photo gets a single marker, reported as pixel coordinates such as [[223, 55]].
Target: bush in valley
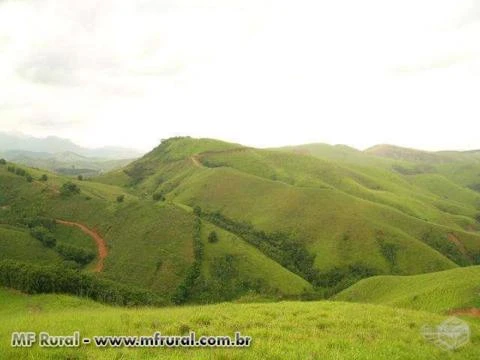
[[69, 188], [439, 241], [185, 289], [29, 178], [389, 252], [339, 278], [73, 253], [158, 196], [120, 198], [44, 177], [44, 236], [36, 279], [213, 237], [11, 169], [3, 162]]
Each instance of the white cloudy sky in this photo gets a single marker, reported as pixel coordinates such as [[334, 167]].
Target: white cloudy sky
[[258, 72]]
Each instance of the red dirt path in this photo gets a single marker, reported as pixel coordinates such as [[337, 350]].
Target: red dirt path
[[99, 241]]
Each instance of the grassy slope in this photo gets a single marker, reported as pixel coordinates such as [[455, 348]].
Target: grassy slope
[[17, 244], [311, 330], [250, 259], [436, 292]]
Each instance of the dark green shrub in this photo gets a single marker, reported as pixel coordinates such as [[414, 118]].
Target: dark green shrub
[[3, 162], [29, 178], [44, 177], [46, 238], [45, 222], [69, 188], [120, 198], [185, 289], [197, 210], [80, 177], [212, 237], [20, 172], [158, 196], [73, 253]]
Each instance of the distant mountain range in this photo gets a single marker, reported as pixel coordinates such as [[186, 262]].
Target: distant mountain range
[[54, 145], [62, 155]]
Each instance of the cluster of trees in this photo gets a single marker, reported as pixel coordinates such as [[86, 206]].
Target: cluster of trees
[[288, 252], [137, 172], [186, 287], [212, 237], [35, 279], [69, 188], [76, 254], [20, 172], [158, 196], [339, 278], [44, 236]]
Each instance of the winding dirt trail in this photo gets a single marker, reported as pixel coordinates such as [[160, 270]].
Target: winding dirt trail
[[469, 312], [99, 241], [196, 161]]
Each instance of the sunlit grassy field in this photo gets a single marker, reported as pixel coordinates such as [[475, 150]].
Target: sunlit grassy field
[[284, 330]]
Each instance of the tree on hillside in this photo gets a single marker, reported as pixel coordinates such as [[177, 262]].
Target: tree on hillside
[[69, 188], [44, 177], [44, 236], [158, 196], [197, 210], [3, 161], [80, 177], [213, 237]]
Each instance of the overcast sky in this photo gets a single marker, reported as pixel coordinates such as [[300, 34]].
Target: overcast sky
[[257, 72]]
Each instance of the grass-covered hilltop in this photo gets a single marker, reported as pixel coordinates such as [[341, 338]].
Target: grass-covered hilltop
[[197, 222]]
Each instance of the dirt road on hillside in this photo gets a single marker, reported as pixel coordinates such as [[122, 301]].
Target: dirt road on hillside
[[99, 241], [196, 161]]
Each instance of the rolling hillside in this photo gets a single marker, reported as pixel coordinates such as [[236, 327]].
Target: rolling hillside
[[287, 222], [318, 202], [150, 243], [439, 292]]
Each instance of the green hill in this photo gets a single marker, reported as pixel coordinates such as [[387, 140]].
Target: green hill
[[286, 330], [150, 243], [289, 221], [437, 292]]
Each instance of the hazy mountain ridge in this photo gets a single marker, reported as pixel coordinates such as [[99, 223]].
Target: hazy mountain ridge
[[54, 145]]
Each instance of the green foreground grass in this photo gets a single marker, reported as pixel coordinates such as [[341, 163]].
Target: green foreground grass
[[284, 330]]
